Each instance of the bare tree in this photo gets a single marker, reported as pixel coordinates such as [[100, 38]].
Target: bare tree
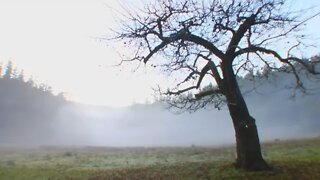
[[217, 40]]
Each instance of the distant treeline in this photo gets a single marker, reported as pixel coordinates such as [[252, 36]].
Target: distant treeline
[[31, 114], [25, 105]]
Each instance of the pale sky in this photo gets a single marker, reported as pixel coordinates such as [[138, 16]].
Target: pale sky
[[55, 41]]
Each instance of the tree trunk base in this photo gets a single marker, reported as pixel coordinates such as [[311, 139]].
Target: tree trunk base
[[259, 165]]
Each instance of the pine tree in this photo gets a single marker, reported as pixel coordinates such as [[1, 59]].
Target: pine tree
[[31, 82], [0, 70], [21, 76], [9, 70]]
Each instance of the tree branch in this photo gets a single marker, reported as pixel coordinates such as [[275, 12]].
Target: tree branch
[[207, 93], [204, 43], [154, 51], [210, 66], [236, 38], [254, 49], [180, 91]]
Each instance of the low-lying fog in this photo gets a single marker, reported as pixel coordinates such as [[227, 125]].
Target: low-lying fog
[[278, 116]]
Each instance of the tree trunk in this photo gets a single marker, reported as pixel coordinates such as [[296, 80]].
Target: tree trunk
[[248, 146], [249, 155]]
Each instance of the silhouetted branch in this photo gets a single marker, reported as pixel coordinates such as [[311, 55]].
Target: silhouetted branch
[[180, 91], [202, 39]]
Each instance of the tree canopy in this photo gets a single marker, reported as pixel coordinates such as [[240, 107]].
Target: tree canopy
[[195, 37]]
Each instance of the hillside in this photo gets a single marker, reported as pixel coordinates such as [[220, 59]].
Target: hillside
[[32, 115]]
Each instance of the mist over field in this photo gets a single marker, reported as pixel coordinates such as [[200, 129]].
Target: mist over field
[[279, 115], [67, 50]]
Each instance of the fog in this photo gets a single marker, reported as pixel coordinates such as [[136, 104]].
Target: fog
[[142, 125], [278, 116]]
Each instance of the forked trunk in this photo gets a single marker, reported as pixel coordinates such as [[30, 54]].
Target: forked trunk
[[248, 145]]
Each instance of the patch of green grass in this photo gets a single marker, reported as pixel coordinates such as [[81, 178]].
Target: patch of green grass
[[213, 170], [299, 159]]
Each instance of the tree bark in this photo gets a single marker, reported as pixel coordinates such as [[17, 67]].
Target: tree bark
[[249, 155]]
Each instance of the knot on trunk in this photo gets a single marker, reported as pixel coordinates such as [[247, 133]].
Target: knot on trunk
[[248, 123]]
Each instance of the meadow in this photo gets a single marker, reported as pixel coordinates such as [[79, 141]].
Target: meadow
[[291, 159]]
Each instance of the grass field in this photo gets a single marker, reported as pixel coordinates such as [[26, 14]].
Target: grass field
[[296, 159]]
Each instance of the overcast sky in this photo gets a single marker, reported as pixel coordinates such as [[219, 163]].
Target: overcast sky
[[56, 42]]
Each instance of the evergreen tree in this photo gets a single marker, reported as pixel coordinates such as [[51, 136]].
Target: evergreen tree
[[15, 73], [21, 76], [8, 71], [31, 82], [0, 70]]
